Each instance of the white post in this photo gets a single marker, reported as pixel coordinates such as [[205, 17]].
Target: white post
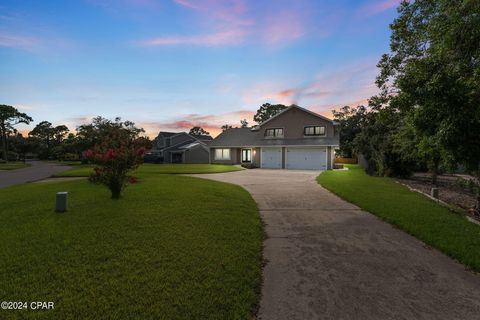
[[61, 202], [434, 193]]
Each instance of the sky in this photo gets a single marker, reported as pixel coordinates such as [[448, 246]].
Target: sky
[[172, 64]]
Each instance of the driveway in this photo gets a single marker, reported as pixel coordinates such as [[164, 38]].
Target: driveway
[[327, 259], [38, 171]]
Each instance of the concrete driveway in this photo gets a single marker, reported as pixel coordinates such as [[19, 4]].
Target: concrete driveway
[[326, 259], [38, 171]]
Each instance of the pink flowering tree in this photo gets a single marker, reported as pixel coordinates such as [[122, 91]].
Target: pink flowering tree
[[119, 152]]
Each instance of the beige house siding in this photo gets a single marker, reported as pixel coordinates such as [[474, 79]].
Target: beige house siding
[[293, 123]]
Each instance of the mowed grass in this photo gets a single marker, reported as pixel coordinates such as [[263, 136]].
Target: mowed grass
[[86, 170], [13, 165], [172, 247], [410, 211]]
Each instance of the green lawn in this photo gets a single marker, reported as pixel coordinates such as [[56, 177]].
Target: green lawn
[[410, 211], [66, 162], [85, 170], [13, 165], [172, 247]]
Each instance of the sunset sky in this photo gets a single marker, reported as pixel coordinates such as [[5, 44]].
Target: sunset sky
[[171, 64]]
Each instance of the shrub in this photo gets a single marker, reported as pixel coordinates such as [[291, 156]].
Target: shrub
[[118, 153], [248, 165]]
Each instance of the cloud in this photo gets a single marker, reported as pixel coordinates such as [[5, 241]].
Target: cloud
[[229, 37], [232, 22], [283, 27], [211, 123], [377, 7], [18, 41]]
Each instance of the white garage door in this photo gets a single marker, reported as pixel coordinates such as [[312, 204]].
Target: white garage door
[[272, 158], [306, 158]]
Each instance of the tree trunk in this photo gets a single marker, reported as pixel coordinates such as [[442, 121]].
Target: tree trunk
[[116, 190], [477, 183], [477, 206], [4, 143]]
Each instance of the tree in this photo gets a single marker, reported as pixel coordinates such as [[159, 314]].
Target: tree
[[49, 138], [432, 74], [244, 123], [90, 134], [225, 127], [267, 110], [118, 151], [198, 131], [9, 117], [351, 121]]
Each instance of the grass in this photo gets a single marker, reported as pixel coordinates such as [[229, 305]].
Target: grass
[[66, 162], [412, 212], [13, 165], [85, 170], [172, 247]]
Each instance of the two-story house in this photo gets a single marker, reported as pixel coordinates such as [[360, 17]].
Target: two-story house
[[296, 138], [179, 147]]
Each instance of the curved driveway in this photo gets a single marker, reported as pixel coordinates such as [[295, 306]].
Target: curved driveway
[[327, 259], [38, 171]]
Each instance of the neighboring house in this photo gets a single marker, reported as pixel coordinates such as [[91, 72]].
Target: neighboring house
[[296, 138], [181, 147]]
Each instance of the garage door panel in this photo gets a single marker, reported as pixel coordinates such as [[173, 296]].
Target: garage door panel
[[306, 158], [271, 158]]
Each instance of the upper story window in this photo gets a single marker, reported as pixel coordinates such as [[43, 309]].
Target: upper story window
[[314, 131], [274, 132]]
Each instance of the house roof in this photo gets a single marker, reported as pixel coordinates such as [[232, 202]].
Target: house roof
[[235, 137], [202, 137], [167, 134], [299, 108], [186, 146]]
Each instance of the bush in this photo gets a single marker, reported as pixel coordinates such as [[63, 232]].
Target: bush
[[118, 153], [69, 157], [12, 156], [248, 166]]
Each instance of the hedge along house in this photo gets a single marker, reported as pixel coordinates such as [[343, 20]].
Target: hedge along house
[[296, 138]]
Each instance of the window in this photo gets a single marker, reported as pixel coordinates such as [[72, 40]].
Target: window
[[246, 155], [274, 132], [222, 154], [314, 131]]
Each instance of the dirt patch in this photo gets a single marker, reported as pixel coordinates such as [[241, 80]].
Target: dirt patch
[[450, 189]]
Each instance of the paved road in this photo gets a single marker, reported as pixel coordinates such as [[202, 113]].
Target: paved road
[[38, 171], [326, 259]]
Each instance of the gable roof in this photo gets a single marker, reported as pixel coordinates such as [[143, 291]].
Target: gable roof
[[202, 137], [235, 137], [166, 134], [293, 106]]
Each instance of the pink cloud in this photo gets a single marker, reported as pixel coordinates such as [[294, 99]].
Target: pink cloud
[[229, 37], [18, 41], [211, 123], [227, 10], [229, 22], [283, 27], [377, 7]]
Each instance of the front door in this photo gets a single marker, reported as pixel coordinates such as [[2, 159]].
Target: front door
[[247, 155]]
